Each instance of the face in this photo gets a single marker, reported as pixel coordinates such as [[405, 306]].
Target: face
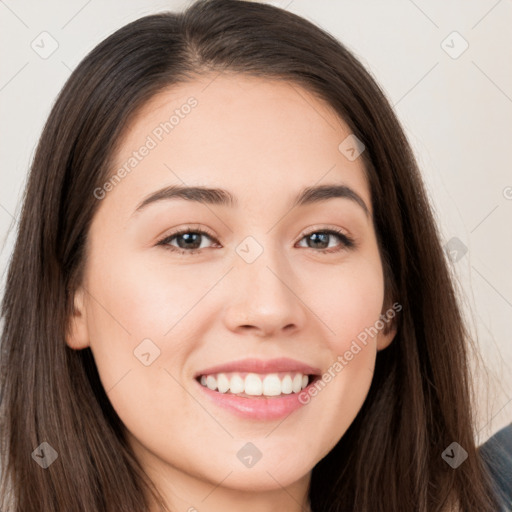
[[203, 339]]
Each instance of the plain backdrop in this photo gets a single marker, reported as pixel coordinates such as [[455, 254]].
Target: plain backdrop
[[446, 69]]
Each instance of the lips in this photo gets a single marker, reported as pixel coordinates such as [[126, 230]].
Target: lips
[[262, 367], [258, 389]]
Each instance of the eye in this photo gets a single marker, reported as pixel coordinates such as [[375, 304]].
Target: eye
[[320, 240], [189, 241]]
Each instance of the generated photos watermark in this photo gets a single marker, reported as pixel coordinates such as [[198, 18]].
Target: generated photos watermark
[[344, 359], [156, 136]]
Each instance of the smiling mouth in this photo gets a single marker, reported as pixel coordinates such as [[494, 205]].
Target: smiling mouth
[[254, 385]]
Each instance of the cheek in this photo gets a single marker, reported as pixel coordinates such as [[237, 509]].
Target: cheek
[[349, 302], [350, 312], [130, 310], [161, 291], [339, 393], [139, 313], [139, 298]]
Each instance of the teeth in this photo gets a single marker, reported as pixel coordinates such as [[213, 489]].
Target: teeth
[[296, 383], [211, 382], [222, 383], [236, 384], [254, 384], [286, 385], [272, 385]]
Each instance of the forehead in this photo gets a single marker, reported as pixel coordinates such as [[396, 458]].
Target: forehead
[[248, 134]]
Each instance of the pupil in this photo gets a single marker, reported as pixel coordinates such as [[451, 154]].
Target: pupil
[[189, 239], [322, 238]]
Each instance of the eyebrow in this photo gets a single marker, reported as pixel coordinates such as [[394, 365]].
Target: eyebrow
[[222, 197]]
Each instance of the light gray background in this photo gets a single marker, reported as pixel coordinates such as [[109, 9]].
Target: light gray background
[[457, 113]]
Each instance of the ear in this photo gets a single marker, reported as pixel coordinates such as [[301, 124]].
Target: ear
[[77, 336], [388, 317], [386, 336]]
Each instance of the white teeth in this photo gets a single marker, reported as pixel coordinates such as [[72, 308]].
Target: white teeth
[[222, 383], [211, 382], [254, 384], [296, 383], [271, 385], [286, 385], [237, 384]]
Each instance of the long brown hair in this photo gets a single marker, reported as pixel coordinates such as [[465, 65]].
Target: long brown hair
[[419, 400]]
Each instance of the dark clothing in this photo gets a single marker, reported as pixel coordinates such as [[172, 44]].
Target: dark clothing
[[497, 455]]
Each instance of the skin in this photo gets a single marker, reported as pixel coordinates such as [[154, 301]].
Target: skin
[[264, 141]]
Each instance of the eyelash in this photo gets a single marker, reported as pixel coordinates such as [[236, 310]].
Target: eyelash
[[346, 241]]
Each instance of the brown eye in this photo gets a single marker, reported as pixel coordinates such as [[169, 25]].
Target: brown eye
[[188, 241], [321, 239]]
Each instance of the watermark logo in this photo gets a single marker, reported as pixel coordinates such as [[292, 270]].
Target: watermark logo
[[351, 147], [455, 249], [44, 45], [249, 455], [147, 352], [249, 249], [454, 45], [454, 455], [45, 455]]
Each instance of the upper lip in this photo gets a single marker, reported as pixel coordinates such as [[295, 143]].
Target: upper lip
[[282, 364]]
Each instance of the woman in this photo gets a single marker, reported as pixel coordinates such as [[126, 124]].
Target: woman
[[228, 290]]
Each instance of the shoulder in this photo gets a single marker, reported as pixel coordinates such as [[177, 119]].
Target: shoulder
[[496, 453]]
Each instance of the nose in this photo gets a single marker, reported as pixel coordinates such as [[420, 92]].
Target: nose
[[264, 297]]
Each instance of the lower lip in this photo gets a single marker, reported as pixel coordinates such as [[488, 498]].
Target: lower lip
[[257, 408]]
